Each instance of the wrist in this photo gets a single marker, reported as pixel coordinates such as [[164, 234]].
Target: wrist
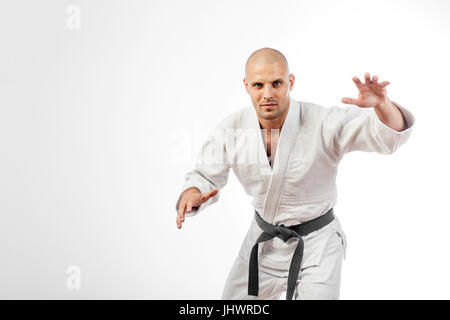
[[385, 105], [192, 190]]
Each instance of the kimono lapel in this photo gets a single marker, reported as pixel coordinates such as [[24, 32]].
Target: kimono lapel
[[278, 170]]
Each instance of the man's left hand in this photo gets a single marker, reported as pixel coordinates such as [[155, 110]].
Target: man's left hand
[[371, 93]]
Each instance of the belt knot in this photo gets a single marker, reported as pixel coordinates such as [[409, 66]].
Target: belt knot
[[284, 233]]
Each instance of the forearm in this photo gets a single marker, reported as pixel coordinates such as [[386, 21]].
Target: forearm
[[390, 115]]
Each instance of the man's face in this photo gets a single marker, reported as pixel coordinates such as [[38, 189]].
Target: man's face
[[268, 86]]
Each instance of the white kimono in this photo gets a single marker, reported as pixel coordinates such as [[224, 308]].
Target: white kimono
[[301, 186]]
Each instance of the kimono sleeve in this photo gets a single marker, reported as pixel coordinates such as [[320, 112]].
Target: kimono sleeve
[[211, 170], [360, 129]]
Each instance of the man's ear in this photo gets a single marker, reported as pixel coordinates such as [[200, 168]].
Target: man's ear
[[291, 81], [245, 84]]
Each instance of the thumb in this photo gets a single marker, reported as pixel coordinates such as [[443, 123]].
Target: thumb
[[208, 195], [348, 100], [212, 193]]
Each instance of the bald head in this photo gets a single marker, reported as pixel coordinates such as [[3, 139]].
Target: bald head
[[268, 82], [265, 56]]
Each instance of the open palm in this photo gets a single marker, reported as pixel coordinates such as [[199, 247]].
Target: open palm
[[371, 93]]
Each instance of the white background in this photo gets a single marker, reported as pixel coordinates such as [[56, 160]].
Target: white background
[[99, 124]]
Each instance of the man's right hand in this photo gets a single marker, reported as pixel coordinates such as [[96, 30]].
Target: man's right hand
[[192, 197]]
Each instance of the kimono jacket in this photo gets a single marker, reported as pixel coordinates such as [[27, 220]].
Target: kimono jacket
[[301, 184]]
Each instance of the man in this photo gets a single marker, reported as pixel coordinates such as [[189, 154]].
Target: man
[[295, 243]]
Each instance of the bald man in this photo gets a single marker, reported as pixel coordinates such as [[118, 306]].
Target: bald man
[[285, 153]]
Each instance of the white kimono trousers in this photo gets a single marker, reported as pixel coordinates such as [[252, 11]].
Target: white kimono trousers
[[300, 187]]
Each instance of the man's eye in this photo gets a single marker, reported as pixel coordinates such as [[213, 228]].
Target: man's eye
[[277, 83], [257, 84]]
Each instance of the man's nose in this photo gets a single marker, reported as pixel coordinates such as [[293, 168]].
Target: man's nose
[[268, 92]]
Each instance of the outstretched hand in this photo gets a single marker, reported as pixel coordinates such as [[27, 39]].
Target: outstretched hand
[[371, 93], [189, 199]]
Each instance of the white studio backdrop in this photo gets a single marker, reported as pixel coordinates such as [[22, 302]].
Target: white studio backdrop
[[104, 105]]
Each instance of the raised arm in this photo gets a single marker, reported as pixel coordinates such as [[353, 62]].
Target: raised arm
[[373, 94], [373, 124]]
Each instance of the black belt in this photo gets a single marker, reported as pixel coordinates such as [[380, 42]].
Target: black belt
[[284, 233]]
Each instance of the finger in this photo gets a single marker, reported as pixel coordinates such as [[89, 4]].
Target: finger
[[375, 80], [367, 78], [208, 195], [181, 208], [348, 100], [188, 207], [212, 193], [357, 82], [384, 84], [179, 222], [180, 216]]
